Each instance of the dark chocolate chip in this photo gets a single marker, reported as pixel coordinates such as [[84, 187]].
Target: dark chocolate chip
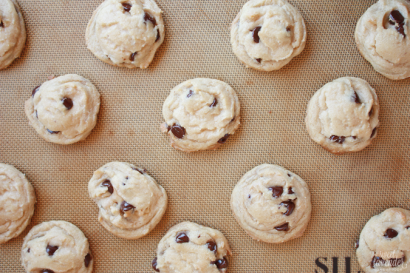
[[127, 7], [178, 130], [68, 103], [47, 271], [214, 103], [337, 139], [53, 132], [259, 60], [224, 139], [35, 90], [212, 246], [289, 175], [396, 17], [158, 35], [395, 262], [51, 249], [1, 24], [132, 56], [154, 264], [127, 177], [290, 207], [355, 98], [233, 119], [356, 245], [107, 183], [255, 34], [390, 233], [377, 261], [87, 259], [284, 227], [400, 29], [290, 190], [28, 250], [126, 207], [288, 29], [182, 238], [190, 93], [373, 133], [148, 17], [276, 191], [249, 196], [354, 137], [222, 263]]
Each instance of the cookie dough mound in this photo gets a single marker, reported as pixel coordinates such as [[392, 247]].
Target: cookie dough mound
[[271, 204], [200, 114], [126, 33], [343, 115], [382, 37], [12, 32], [56, 246], [17, 199], [384, 244], [267, 34], [64, 110], [131, 203], [192, 248]]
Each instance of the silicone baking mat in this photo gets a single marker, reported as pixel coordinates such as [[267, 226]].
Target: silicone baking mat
[[346, 190]]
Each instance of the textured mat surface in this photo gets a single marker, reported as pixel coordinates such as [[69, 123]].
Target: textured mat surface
[[346, 190]]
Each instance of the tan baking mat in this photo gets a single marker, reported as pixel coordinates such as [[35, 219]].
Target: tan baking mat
[[346, 190]]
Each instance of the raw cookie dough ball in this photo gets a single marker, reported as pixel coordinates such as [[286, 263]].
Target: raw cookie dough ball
[[126, 33], [131, 203], [271, 204], [56, 246], [17, 199], [192, 248], [12, 32], [200, 114], [384, 244], [64, 110], [343, 115], [267, 34], [382, 37]]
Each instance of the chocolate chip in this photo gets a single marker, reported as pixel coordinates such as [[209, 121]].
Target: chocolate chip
[[127, 177], [373, 133], [290, 190], [178, 130], [371, 112], [148, 17], [396, 17], [276, 191], [355, 98], [47, 271], [51, 249], [356, 245], [232, 119], [377, 261], [212, 246], [284, 227], [182, 238], [107, 183], [36, 114], [354, 137], [289, 175], [249, 196], [290, 207], [53, 132], [28, 250], [35, 90], [126, 207], [400, 29], [158, 35], [255, 34], [395, 262], [127, 7], [224, 139], [337, 139], [408, 227], [190, 93], [288, 29], [214, 103], [1, 24], [132, 56], [154, 264], [222, 263], [87, 259], [390, 233], [259, 60], [68, 103]]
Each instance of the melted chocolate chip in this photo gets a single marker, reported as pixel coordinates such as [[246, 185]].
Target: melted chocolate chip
[[356, 245], [259, 60], [284, 227], [390, 233], [158, 35], [396, 17], [87, 259], [154, 264], [373, 133], [395, 262], [222, 263], [148, 17], [190, 94], [35, 90], [126, 207], [355, 98], [338, 139], [182, 238], [132, 56], [127, 7], [107, 183], [290, 207], [1, 24], [400, 29], [67, 102], [255, 34], [51, 249], [290, 190], [212, 246], [178, 130], [377, 261], [214, 103], [276, 191], [47, 271], [53, 132], [224, 139]]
